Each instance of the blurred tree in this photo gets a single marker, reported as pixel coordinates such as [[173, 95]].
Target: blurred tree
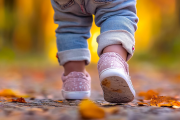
[[37, 28], [9, 20], [178, 10], [29, 34], [23, 26], [166, 47]]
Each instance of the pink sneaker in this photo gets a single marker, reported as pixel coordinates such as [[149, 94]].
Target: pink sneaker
[[114, 77], [76, 85]]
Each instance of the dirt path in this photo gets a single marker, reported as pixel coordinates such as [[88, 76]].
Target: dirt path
[[43, 87]]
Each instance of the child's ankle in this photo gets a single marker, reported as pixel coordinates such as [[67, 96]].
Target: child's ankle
[[117, 49], [74, 66]]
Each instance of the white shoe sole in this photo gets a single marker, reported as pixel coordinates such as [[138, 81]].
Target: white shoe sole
[[76, 94], [116, 86]]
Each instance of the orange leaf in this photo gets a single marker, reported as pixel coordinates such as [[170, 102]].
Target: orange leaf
[[165, 104], [148, 95], [60, 101], [176, 103], [89, 110], [162, 101], [20, 100]]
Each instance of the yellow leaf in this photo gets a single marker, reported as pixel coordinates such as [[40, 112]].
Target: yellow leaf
[[164, 104], [90, 110], [11, 93]]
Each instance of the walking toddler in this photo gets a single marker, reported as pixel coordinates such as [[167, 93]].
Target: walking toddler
[[118, 22]]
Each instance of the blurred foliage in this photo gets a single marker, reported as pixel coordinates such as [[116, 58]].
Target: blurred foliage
[[27, 29], [164, 47]]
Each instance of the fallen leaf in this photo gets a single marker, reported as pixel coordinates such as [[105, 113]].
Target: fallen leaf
[[20, 100], [176, 103], [11, 93], [148, 95], [164, 101], [165, 104], [60, 101], [89, 110], [155, 100]]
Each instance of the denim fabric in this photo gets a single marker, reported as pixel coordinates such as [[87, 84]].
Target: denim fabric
[[74, 18]]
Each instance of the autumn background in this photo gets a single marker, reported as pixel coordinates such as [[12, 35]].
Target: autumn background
[[27, 32], [28, 44]]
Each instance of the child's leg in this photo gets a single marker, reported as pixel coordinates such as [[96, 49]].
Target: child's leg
[[118, 49], [72, 34], [78, 66], [73, 54], [118, 22]]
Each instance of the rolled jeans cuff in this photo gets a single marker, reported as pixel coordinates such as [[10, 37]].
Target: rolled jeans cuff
[[114, 37], [74, 55]]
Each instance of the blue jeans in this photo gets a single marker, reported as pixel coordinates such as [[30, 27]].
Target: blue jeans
[[117, 19]]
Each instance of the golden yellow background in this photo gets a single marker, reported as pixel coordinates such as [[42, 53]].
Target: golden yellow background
[[33, 19]]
